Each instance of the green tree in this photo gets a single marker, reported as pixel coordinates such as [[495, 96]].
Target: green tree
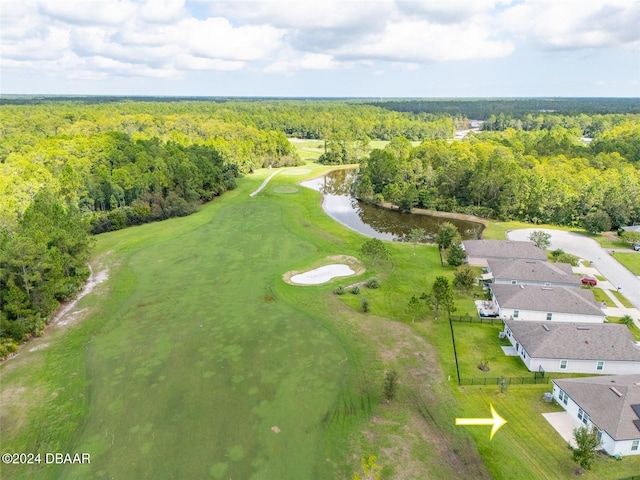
[[414, 236], [456, 255], [596, 222], [587, 443], [447, 232], [442, 296], [464, 278], [390, 386], [414, 307], [632, 238], [375, 249], [541, 239]]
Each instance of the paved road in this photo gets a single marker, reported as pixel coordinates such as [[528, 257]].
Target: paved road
[[590, 250]]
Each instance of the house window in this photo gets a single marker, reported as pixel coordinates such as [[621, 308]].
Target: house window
[[549, 315], [582, 415], [634, 444], [516, 313], [564, 398], [600, 366], [563, 364], [600, 436]]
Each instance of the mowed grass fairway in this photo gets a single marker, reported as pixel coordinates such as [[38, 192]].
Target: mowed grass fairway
[[195, 348], [196, 353]]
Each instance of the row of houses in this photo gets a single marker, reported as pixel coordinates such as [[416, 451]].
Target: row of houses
[[554, 325]]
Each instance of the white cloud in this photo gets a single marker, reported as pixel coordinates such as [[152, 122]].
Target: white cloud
[[309, 61], [442, 11], [575, 24], [217, 38], [420, 41], [301, 15], [162, 11], [169, 38], [155, 38], [102, 12]]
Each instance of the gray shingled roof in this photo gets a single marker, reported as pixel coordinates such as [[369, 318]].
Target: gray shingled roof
[[576, 341], [547, 299], [608, 410], [532, 271], [503, 249]]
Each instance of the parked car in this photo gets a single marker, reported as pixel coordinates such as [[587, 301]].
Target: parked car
[[636, 247], [589, 281]]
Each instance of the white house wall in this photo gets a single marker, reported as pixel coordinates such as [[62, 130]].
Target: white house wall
[[541, 316], [608, 444], [583, 366], [552, 365]]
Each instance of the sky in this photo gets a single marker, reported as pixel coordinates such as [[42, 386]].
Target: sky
[[325, 48]]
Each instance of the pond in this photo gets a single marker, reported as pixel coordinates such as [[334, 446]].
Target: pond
[[375, 221]]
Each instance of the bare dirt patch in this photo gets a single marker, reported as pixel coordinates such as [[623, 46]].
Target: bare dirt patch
[[352, 262], [64, 316]]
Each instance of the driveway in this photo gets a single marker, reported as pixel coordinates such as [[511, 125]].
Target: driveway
[[590, 250]]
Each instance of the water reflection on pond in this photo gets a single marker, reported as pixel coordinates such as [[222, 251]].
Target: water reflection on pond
[[375, 221]]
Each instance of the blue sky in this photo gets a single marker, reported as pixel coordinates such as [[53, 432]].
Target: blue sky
[[357, 48]]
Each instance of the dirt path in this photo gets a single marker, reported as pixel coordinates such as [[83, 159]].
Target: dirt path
[[65, 315]]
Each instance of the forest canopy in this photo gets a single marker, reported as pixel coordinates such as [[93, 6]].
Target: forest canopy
[[541, 176], [71, 167]]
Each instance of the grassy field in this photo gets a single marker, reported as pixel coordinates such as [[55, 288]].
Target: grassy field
[[195, 360], [198, 350], [630, 260]]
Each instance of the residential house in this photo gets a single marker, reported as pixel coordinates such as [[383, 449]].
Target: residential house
[[479, 251], [596, 348], [531, 272], [534, 303], [610, 404]]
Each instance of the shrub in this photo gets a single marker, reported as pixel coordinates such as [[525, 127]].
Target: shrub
[[339, 290], [373, 283], [390, 385], [568, 258], [365, 305], [355, 290]]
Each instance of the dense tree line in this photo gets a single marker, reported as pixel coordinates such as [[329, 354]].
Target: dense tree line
[[42, 262], [84, 185], [537, 176], [483, 108]]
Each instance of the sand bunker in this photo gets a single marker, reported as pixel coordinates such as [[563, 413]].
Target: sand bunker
[[340, 266], [322, 274]]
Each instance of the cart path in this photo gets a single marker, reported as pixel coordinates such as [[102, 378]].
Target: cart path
[[264, 184]]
